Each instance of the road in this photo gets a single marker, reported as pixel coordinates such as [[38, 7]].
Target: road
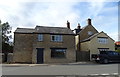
[[75, 69]]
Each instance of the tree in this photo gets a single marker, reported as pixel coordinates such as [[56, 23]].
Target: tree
[[118, 50], [6, 36]]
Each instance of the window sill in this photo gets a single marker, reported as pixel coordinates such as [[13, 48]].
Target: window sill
[[39, 41], [58, 58], [57, 41], [103, 43]]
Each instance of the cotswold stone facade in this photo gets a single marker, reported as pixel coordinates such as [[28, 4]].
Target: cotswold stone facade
[[59, 44], [44, 45], [23, 47], [84, 33], [89, 40], [94, 44]]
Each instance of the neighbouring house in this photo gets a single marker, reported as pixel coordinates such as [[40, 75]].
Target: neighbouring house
[[89, 40], [44, 45], [117, 46], [117, 43], [84, 33], [98, 42]]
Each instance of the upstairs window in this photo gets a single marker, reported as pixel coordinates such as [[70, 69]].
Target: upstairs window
[[90, 32], [40, 37], [103, 40], [56, 38]]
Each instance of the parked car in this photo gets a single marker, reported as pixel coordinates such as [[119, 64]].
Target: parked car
[[106, 57]]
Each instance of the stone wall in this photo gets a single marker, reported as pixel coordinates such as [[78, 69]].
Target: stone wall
[[94, 44], [68, 42], [10, 57], [26, 44], [23, 48], [84, 33], [2, 57]]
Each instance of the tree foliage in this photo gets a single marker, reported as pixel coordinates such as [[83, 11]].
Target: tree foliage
[[6, 36], [118, 50]]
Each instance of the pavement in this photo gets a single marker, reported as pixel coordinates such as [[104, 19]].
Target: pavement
[[20, 65], [60, 76]]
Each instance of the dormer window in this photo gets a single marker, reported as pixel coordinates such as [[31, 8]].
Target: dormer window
[[90, 32]]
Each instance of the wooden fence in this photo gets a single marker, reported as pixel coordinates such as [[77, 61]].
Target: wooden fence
[[82, 56]]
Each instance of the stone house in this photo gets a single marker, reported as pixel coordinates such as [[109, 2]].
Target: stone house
[[44, 45], [84, 33], [90, 40], [97, 43], [59, 44]]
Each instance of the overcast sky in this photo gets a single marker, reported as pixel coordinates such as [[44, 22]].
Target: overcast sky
[[28, 14]]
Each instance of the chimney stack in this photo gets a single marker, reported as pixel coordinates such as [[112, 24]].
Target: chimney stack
[[78, 29], [78, 26], [68, 24], [89, 21]]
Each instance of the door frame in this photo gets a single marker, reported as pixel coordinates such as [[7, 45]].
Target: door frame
[[42, 50]]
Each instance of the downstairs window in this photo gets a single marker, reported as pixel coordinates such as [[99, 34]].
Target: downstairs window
[[58, 52]]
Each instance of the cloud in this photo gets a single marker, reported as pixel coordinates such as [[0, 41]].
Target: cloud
[[105, 18], [114, 35], [96, 7], [55, 14], [29, 14]]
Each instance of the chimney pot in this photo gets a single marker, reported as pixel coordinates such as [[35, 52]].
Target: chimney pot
[[89, 21], [68, 24], [79, 26]]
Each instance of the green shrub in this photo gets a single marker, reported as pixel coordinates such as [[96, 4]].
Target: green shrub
[[118, 50]]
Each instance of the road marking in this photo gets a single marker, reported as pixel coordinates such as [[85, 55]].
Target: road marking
[[106, 74], [94, 74], [115, 73]]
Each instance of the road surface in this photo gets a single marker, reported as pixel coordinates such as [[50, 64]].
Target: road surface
[[74, 69]]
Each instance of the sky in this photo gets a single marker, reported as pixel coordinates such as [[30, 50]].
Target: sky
[[28, 14]]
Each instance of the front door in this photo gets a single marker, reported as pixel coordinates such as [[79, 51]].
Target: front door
[[40, 58]]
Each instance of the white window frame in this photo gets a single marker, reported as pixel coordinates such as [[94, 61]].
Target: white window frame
[[90, 32], [57, 38], [40, 37], [103, 40]]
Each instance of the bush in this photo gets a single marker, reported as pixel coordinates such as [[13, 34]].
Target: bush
[[118, 50]]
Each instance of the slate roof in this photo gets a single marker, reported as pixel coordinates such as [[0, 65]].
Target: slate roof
[[88, 39], [24, 30], [46, 30]]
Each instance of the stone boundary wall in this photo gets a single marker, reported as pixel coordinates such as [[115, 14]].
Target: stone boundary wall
[[10, 57], [2, 57]]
